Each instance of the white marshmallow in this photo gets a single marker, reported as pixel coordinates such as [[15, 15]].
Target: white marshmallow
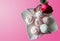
[[37, 22], [28, 20], [33, 30], [43, 28], [45, 19]]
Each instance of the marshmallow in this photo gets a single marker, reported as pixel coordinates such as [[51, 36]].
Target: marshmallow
[[45, 20], [38, 22], [34, 30], [43, 28], [29, 20]]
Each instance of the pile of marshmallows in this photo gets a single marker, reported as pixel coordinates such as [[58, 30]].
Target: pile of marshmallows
[[38, 22], [40, 19]]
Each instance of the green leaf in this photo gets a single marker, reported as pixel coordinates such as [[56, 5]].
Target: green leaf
[[43, 1]]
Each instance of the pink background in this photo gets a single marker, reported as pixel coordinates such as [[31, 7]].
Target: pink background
[[12, 27]]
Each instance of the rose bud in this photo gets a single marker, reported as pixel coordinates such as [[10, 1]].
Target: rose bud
[[47, 9]]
